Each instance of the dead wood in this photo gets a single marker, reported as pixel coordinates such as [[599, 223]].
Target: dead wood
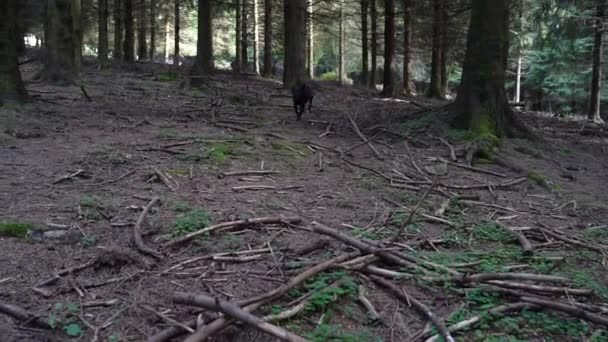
[[234, 224], [543, 289], [503, 185], [236, 312], [367, 304], [86, 95], [363, 137], [258, 301], [23, 315], [127, 174], [451, 148], [247, 173], [69, 177], [568, 309], [232, 127], [139, 241], [472, 168], [413, 212], [584, 244], [418, 305], [484, 277], [463, 325], [171, 183], [525, 244], [316, 245]]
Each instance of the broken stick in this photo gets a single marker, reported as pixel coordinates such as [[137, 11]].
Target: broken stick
[[139, 241]]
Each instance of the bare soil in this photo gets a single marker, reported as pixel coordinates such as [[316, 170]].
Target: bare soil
[[134, 126]]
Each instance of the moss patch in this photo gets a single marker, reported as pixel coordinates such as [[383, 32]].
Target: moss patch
[[15, 228], [543, 181]]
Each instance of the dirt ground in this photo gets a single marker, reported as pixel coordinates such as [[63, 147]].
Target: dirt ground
[[81, 171]]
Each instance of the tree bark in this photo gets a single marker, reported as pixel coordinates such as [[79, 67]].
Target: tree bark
[[311, 41], [12, 90], [294, 46], [118, 29], [129, 48], [61, 65], [78, 34], [481, 105], [204, 46], [142, 44], [152, 29], [102, 45], [407, 47], [435, 87], [19, 29], [388, 88], [341, 45], [267, 38], [256, 43], [364, 43], [517, 97], [444, 50], [176, 33], [238, 65], [374, 43], [596, 76], [244, 52]]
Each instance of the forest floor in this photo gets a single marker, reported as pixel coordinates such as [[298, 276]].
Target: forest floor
[[77, 174]]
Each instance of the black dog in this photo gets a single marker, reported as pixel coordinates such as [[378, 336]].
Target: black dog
[[302, 93]]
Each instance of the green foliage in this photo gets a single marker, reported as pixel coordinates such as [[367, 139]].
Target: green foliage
[[599, 233], [66, 317], [336, 333], [320, 300], [491, 232], [191, 221], [90, 206], [89, 241], [543, 181], [422, 122], [217, 153], [329, 76], [181, 207], [73, 329], [106, 155], [15, 228], [169, 76]]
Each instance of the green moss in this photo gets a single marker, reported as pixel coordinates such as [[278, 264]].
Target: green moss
[[190, 222], [169, 76], [15, 228], [543, 181], [491, 232]]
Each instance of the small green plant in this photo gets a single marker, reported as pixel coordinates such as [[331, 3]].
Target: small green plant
[[543, 181], [491, 232], [89, 241], [181, 207], [191, 221], [106, 155], [327, 295], [66, 317], [422, 122], [329, 76], [15, 228], [169, 76], [336, 333], [90, 206]]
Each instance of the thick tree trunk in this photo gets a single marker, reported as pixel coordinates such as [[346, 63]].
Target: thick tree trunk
[[444, 51], [129, 49], [256, 43], [435, 88], [481, 105], [12, 90], [244, 52], [78, 33], [268, 38], [167, 31], [294, 46], [62, 64], [118, 29], [238, 65], [388, 88], [517, 97], [152, 29], [341, 43], [19, 28], [374, 43], [204, 47], [142, 44], [407, 47], [176, 33], [596, 76], [364, 43], [102, 45], [311, 41]]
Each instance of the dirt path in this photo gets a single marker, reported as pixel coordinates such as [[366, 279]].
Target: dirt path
[[140, 129]]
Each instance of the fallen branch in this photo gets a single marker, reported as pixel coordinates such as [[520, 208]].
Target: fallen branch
[[413, 212], [570, 241], [568, 309], [521, 238], [371, 311], [484, 277], [247, 173], [86, 95], [411, 301], [503, 185], [127, 174], [167, 180], [69, 177], [23, 315], [452, 152], [473, 168], [234, 224], [367, 141], [139, 242], [232, 127], [537, 288]]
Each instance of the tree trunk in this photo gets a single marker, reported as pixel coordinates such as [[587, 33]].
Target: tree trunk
[[444, 51], [166, 40], [481, 105], [244, 52], [142, 44], [374, 43], [238, 65], [19, 28], [256, 43], [364, 43], [129, 49], [435, 88], [388, 88], [118, 29], [204, 46], [61, 64], [407, 47], [102, 45], [294, 46], [341, 45], [152, 29], [12, 90], [311, 41], [78, 34], [176, 34], [596, 78], [517, 97], [268, 38]]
